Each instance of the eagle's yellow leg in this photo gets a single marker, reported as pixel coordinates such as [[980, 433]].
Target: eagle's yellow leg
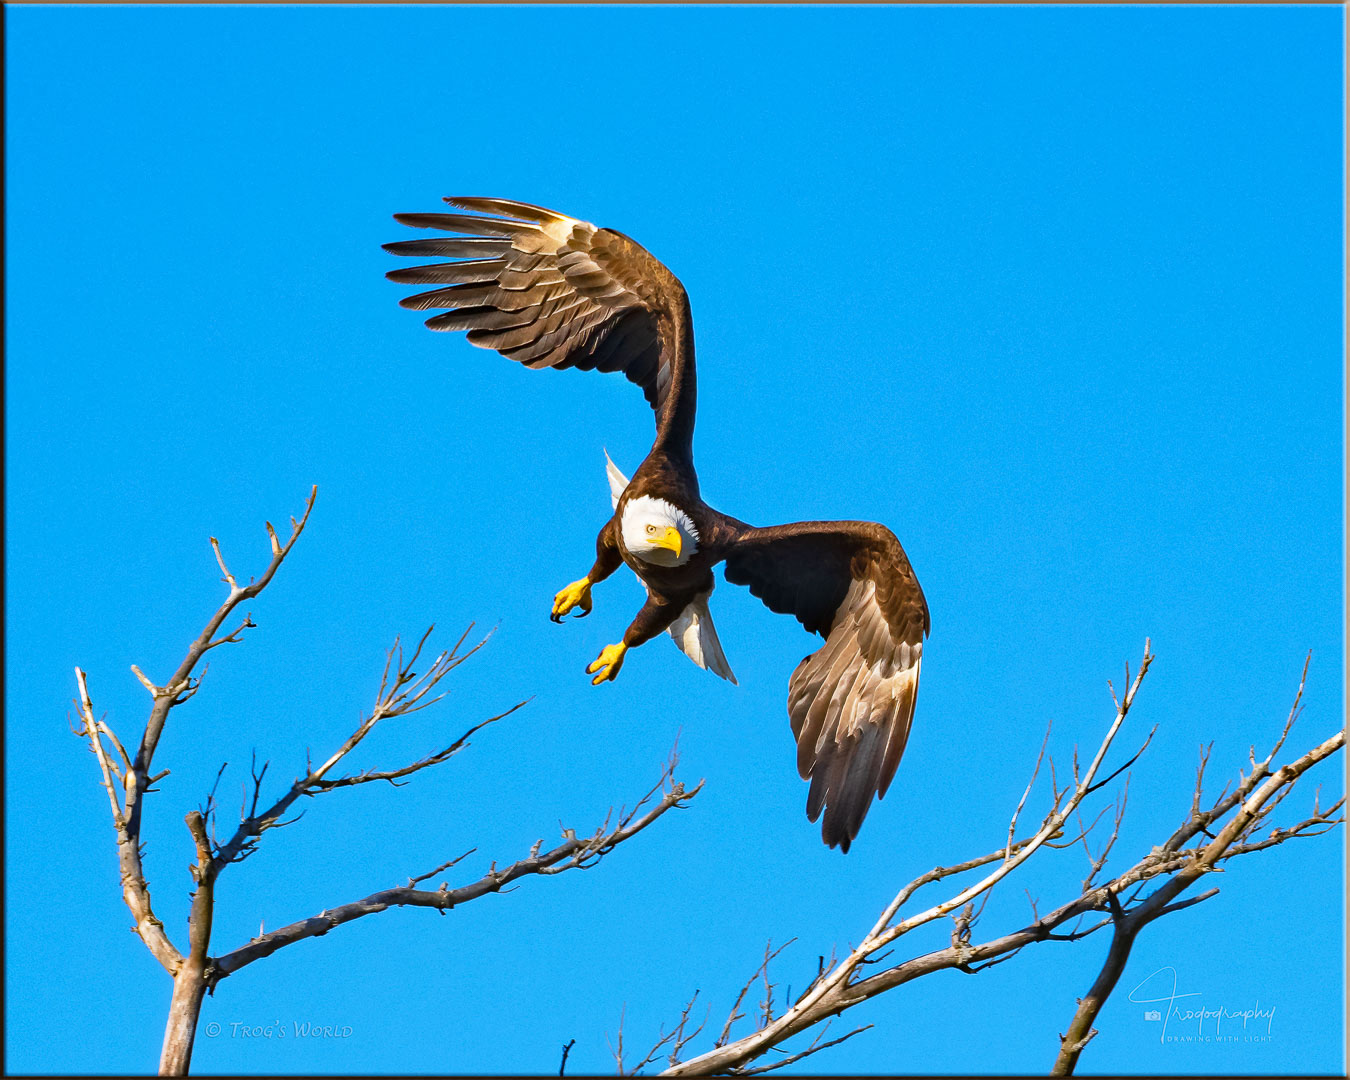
[[607, 663], [578, 594]]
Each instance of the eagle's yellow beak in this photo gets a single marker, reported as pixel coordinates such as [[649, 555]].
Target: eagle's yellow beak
[[670, 540]]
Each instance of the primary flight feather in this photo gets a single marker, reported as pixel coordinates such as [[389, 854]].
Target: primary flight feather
[[547, 290]]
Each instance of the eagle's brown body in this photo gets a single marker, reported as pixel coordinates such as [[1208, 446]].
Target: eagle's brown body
[[670, 589], [547, 290]]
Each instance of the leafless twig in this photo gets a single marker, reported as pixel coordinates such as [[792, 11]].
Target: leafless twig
[[407, 694]]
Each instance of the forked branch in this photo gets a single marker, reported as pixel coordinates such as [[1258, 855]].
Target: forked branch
[[1123, 903], [407, 685], [1255, 803], [133, 777], [407, 693], [574, 853]]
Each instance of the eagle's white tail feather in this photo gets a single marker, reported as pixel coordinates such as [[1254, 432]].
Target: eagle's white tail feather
[[696, 637], [617, 481]]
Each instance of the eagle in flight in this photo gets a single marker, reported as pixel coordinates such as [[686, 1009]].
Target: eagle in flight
[[549, 291]]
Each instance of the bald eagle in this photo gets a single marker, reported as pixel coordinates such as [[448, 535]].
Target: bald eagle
[[549, 291]]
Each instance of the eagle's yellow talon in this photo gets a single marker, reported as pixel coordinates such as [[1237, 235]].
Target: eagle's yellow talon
[[607, 663], [578, 594]]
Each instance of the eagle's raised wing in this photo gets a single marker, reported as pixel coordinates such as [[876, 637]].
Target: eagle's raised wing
[[547, 290], [851, 701]]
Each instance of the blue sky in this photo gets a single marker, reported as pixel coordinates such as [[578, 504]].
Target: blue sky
[[1054, 293]]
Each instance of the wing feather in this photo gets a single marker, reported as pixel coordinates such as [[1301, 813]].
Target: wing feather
[[455, 274], [458, 247], [508, 208], [465, 223], [478, 318], [851, 703], [547, 290]]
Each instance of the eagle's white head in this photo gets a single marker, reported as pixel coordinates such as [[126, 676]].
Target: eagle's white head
[[658, 532]]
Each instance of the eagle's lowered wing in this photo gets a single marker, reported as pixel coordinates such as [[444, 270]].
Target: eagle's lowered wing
[[851, 702], [547, 290]]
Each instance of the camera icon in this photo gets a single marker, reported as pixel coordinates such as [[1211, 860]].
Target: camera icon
[[1153, 1014]]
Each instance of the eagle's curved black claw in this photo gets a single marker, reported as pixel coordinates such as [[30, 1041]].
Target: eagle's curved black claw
[[607, 664], [576, 595]]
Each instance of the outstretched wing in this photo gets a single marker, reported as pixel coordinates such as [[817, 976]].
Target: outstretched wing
[[851, 702], [547, 290]]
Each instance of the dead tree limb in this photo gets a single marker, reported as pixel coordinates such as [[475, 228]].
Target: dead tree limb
[[1256, 792], [1228, 828], [573, 853], [402, 691]]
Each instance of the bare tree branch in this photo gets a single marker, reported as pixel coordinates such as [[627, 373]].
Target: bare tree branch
[[165, 696], [1123, 900], [1231, 825], [735, 1014], [403, 690], [1127, 926], [135, 776], [444, 866], [572, 853], [815, 1047], [1035, 772], [407, 694], [676, 1039], [135, 889]]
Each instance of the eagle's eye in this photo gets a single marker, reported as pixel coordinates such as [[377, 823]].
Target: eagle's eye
[[651, 530]]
